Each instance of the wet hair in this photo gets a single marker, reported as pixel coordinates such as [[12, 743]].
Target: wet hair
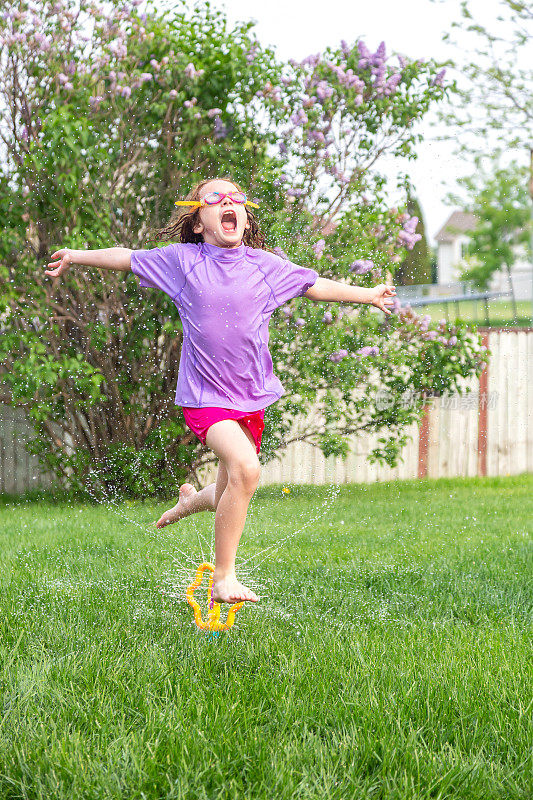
[[183, 222]]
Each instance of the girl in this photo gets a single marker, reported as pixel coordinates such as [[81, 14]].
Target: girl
[[225, 283]]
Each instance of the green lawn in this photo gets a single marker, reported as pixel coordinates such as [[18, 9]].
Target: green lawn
[[390, 656], [500, 313]]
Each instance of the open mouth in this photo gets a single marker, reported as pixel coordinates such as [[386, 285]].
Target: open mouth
[[229, 221]]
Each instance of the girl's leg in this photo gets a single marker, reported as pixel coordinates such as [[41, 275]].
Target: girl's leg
[[234, 445], [191, 501]]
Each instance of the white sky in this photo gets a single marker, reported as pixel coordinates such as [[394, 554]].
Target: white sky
[[297, 28]]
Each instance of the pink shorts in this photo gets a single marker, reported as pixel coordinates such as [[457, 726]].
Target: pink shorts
[[199, 420]]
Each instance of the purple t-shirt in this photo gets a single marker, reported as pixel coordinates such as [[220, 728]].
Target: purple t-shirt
[[225, 298]]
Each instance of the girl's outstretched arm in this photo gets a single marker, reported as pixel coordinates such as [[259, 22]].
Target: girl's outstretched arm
[[108, 258], [336, 292]]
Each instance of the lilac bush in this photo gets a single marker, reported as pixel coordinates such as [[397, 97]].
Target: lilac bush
[[110, 114]]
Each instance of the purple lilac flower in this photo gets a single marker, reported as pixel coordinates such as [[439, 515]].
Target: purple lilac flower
[[338, 355], [439, 78], [409, 239], [300, 322], [361, 266], [352, 80], [327, 318], [323, 91], [368, 350], [299, 117], [318, 247], [380, 54], [396, 305], [380, 78], [125, 91], [220, 131], [407, 236], [118, 49], [312, 61], [430, 335], [452, 341], [345, 47], [364, 52], [40, 38], [316, 136], [341, 177], [392, 83], [251, 54]]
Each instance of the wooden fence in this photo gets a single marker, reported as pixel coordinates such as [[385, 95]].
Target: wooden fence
[[19, 470], [486, 432]]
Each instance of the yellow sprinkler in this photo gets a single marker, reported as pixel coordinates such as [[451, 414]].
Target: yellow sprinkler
[[213, 615]]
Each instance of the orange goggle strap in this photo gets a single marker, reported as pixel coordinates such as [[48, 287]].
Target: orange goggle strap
[[199, 204]]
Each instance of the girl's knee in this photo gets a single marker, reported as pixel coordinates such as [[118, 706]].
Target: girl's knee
[[245, 474]]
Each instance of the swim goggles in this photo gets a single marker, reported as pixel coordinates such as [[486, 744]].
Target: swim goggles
[[213, 198]]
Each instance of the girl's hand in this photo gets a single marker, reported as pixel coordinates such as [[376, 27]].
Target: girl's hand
[[383, 296], [63, 261]]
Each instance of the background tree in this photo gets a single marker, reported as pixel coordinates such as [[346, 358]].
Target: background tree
[[106, 116], [416, 266], [499, 200], [494, 102]]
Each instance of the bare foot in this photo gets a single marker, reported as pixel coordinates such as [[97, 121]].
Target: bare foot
[[229, 590], [180, 510]]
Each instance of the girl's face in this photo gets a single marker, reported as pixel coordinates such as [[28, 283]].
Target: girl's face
[[224, 223]]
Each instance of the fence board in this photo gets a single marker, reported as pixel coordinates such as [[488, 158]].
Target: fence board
[[503, 430], [473, 420], [492, 408], [519, 389], [529, 383]]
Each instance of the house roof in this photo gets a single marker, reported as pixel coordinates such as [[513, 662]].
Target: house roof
[[458, 222]]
